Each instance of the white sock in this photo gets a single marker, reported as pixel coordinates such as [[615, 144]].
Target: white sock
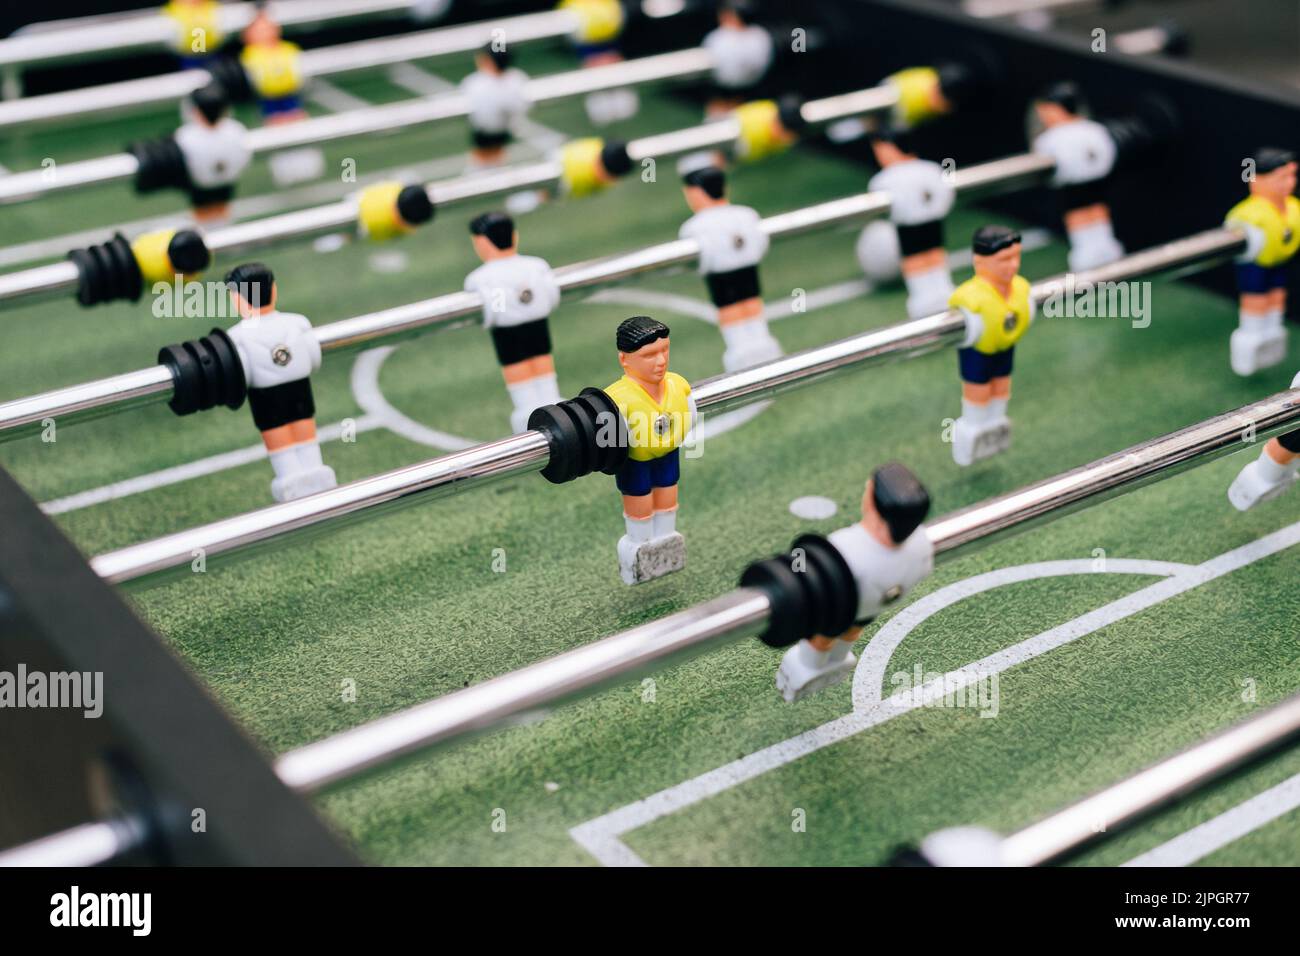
[[975, 414], [838, 651], [665, 522], [308, 455], [933, 284], [998, 408], [1270, 470], [285, 461], [1093, 234], [546, 391], [639, 529], [521, 395]]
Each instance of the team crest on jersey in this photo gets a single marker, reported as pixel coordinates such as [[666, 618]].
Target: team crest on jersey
[[281, 355], [525, 296], [738, 242], [1009, 323], [661, 425], [892, 595]]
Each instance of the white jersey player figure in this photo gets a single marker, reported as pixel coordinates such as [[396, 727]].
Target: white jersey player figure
[[279, 351], [519, 293], [498, 100], [732, 243], [1085, 153], [742, 54], [1273, 472], [889, 553], [214, 147], [920, 196]]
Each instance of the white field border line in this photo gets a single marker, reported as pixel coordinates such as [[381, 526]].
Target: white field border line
[[334, 98], [600, 836], [1231, 825]]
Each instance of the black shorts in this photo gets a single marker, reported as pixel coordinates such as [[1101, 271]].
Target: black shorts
[[483, 140], [728, 288], [1290, 441], [920, 237], [1082, 195], [515, 343], [199, 196], [281, 404]]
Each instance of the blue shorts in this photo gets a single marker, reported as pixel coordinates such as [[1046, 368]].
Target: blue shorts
[[285, 104], [979, 368], [638, 478], [587, 50], [1255, 279]]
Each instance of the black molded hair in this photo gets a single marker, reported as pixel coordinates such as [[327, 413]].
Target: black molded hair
[[903, 138], [187, 252], [211, 101], [992, 239], [709, 178], [614, 157], [414, 205], [252, 281], [1064, 94], [900, 498], [502, 59], [789, 110], [497, 226], [1269, 158], [637, 332]]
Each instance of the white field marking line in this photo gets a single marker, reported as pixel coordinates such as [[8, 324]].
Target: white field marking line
[[334, 98], [1229, 826], [194, 469], [600, 836], [368, 395], [241, 210]]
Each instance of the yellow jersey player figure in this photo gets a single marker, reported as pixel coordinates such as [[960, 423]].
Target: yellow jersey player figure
[[995, 302], [657, 406], [198, 30], [1270, 215], [1273, 472], [732, 244], [888, 553], [274, 70], [278, 352], [519, 293], [600, 23]]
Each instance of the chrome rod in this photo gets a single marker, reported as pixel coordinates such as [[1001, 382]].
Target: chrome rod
[[678, 65], [731, 390], [89, 844], [326, 61], [525, 694], [1131, 799], [437, 478]]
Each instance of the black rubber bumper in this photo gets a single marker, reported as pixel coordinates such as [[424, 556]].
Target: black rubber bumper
[[107, 272], [811, 590], [586, 434], [206, 373]]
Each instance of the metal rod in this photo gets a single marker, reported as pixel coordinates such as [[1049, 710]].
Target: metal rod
[[93, 37], [678, 65], [525, 694], [326, 61], [1123, 803], [743, 613], [89, 844], [437, 478], [528, 452]]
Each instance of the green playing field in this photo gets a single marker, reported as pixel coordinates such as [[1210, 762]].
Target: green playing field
[[1175, 617]]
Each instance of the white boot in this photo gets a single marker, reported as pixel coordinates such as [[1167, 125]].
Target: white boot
[[1094, 246], [303, 483], [1257, 344], [297, 166], [981, 432], [1262, 480], [805, 670]]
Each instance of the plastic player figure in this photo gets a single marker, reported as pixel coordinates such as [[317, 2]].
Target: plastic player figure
[[1273, 472], [213, 146], [273, 67], [742, 54], [1085, 154], [198, 30], [519, 293], [279, 352], [1270, 216], [497, 101], [732, 243], [995, 302], [888, 553], [659, 411], [920, 196], [600, 23]]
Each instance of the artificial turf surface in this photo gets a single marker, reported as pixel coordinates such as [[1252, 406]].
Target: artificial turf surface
[[413, 605]]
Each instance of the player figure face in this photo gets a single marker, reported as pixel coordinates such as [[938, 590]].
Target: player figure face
[[871, 519], [1001, 267], [698, 199], [648, 364], [1278, 184], [246, 310], [1052, 114], [263, 31], [887, 153], [487, 251], [485, 64]]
